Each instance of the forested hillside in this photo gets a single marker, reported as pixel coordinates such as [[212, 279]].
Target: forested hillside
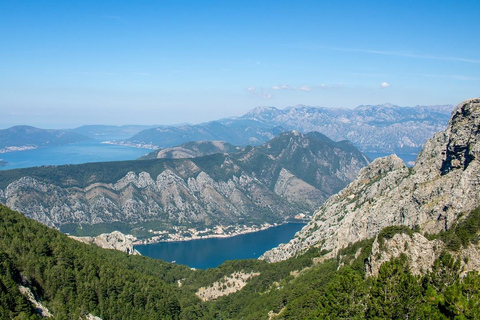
[[73, 280]]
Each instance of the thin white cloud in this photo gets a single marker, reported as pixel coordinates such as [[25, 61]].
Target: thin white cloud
[[288, 87], [384, 85], [400, 54], [331, 86]]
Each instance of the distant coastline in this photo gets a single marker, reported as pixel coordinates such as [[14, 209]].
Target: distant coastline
[[132, 145], [218, 232]]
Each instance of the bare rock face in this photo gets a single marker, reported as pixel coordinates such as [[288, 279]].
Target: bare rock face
[[114, 240], [420, 252], [444, 183]]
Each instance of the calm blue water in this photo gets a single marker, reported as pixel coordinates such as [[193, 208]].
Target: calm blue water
[[82, 152], [210, 253]]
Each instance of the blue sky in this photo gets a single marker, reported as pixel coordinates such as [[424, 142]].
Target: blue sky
[[68, 63]]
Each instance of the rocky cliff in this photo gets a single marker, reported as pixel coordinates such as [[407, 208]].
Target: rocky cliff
[[420, 252], [290, 174], [430, 196]]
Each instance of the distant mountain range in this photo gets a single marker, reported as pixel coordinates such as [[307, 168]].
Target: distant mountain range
[[291, 174], [192, 149], [381, 129], [106, 132], [377, 129], [25, 137], [234, 131], [396, 243]]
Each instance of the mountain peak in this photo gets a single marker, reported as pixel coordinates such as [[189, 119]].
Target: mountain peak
[[443, 184], [462, 134]]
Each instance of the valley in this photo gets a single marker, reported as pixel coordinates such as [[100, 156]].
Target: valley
[[409, 236], [244, 189]]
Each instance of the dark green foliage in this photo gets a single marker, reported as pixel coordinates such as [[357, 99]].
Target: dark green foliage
[[395, 293], [12, 303], [389, 232], [347, 255], [462, 233], [73, 278]]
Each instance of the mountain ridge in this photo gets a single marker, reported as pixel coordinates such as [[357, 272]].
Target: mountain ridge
[[443, 183], [372, 128], [19, 138], [253, 186]]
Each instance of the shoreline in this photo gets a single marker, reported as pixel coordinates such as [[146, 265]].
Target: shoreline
[[178, 238]]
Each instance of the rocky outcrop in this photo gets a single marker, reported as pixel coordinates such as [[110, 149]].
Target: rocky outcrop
[[420, 252], [40, 309], [444, 183], [225, 286], [294, 173], [114, 240]]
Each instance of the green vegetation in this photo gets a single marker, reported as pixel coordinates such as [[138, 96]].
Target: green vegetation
[[388, 233], [73, 279], [462, 233]]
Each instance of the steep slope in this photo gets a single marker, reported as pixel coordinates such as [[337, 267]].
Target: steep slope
[[73, 279], [76, 281], [444, 183], [192, 149], [26, 137], [381, 128], [291, 174]]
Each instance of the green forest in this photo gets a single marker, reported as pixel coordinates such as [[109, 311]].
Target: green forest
[[73, 280]]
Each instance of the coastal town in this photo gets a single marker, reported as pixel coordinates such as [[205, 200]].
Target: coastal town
[[187, 234]]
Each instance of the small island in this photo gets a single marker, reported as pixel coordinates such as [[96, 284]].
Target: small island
[[3, 163]]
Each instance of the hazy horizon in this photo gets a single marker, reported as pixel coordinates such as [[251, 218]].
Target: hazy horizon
[[66, 64], [59, 126]]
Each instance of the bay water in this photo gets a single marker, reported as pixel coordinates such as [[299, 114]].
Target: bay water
[[212, 252], [76, 153]]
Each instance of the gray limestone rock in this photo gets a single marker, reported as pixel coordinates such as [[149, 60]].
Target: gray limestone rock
[[444, 183]]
